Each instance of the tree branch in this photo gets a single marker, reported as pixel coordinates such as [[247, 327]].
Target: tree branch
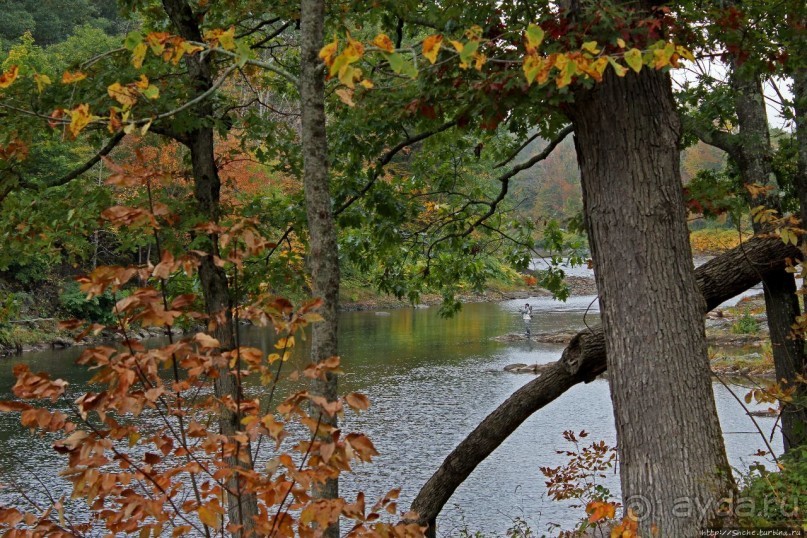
[[504, 179], [113, 142], [719, 139], [384, 160]]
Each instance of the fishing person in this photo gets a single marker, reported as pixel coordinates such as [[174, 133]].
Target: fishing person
[[526, 315]]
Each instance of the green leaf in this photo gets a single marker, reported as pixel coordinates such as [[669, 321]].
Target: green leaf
[[634, 59], [619, 69], [468, 51], [152, 92], [396, 61], [535, 36]]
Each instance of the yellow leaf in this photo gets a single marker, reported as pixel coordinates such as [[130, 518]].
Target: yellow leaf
[[125, 95], [532, 66], [634, 59], [620, 42], [458, 46], [348, 75], [662, 55], [219, 37], [383, 42], [684, 53], [42, 81], [567, 68], [431, 46], [474, 32], [70, 78], [352, 53], [328, 51], [479, 61], [354, 50], [597, 68], [367, 83], [591, 46], [139, 54], [8, 77], [619, 69], [80, 117], [142, 83]]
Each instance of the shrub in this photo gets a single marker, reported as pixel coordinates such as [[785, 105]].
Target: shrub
[[776, 499], [97, 310], [745, 325]]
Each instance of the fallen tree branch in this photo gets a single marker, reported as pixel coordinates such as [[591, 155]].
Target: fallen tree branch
[[582, 361]]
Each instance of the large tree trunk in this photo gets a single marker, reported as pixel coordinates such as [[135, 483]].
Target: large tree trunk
[[797, 431], [753, 157], [583, 360], [668, 435], [323, 253], [242, 506]]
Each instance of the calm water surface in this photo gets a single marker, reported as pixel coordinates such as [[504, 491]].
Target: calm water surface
[[431, 381]]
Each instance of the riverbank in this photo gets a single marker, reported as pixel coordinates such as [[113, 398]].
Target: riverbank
[[738, 339], [737, 336]]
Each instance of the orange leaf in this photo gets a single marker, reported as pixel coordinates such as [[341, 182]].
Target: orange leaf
[[431, 46], [383, 42], [71, 78], [208, 517], [328, 52], [598, 510], [8, 77], [357, 401]]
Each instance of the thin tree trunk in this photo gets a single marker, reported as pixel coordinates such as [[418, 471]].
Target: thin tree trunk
[[242, 505], [323, 256], [797, 430], [673, 465], [582, 361], [753, 157]]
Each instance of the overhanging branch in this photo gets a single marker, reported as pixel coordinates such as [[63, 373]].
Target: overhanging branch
[[113, 142]]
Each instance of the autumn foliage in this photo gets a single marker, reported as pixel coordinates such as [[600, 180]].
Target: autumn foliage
[[144, 449]]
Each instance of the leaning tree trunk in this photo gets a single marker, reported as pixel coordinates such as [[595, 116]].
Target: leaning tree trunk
[[323, 252], [668, 435], [753, 154], [242, 506], [582, 361]]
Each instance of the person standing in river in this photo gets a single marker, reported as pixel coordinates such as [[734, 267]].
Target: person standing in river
[[526, 315]]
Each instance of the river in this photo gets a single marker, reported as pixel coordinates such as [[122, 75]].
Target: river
[[430, 381]]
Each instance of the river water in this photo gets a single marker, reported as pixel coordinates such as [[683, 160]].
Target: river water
[[430, 381]]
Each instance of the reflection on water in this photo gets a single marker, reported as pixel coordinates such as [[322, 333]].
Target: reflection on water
[[431, 381]]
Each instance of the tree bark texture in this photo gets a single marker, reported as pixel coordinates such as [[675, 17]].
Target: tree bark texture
[[323, 255], [582, 361], [242, 506], [798, 431], [753, 154], [673, 465]]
